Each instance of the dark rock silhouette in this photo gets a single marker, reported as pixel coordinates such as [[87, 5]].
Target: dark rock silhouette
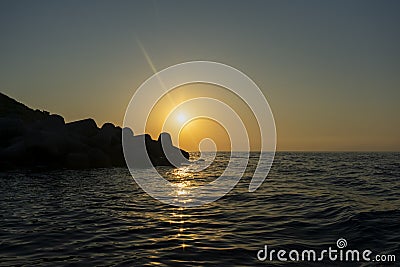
[[37, 139]]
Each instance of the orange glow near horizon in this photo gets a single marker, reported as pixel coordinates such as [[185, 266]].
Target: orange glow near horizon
[[196, 130]]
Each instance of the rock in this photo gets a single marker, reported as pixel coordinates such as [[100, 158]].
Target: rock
[[15, 152], [117, 156], [10, 128], [165, 139], [99, 159], [33, 138], [86, 127], [9, 108], [77, 161], [107, 127], [102, 140], [185, 154], [45, 148], [127, 132], [108, 136], [117, 140], [171, 154], [52, 122]]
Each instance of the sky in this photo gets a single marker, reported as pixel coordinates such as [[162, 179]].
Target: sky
[[329, 69]]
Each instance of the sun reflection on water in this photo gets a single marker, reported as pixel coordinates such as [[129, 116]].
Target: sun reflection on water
[[182, 179], [180, 219]]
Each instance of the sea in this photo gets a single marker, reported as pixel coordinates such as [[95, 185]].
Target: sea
[[309, 201]]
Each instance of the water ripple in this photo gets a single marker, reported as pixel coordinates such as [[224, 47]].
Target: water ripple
[[101, 217]]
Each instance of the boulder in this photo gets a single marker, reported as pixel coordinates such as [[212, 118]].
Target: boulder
[[185, 154], [135, 150], [33, 138], [10, 128], [15, 152], [117, 156], [165, 139], [52, 122], [127, 132], [86, 127], [107, 136], [108, 127], [98, 159], [77, 161], [45, 148]]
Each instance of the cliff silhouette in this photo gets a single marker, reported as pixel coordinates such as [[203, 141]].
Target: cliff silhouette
[[37, 139]]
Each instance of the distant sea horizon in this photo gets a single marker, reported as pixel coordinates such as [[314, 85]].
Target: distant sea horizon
[[305, 151]]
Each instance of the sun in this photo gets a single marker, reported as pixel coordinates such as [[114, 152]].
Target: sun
[[181, 118]]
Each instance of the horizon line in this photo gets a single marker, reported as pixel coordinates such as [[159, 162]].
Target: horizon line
[[308, 151]]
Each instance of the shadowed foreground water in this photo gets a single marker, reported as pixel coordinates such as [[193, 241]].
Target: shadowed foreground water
[[101, 217]]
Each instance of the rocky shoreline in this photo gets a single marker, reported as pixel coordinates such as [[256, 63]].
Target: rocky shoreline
[[37, 139]]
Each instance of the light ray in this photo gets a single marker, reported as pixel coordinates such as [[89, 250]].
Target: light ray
[[154, 69]]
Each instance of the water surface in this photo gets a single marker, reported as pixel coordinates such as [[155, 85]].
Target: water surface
[[101, 217]]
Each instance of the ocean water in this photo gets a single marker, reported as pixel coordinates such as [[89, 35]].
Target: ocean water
[[101, 217]]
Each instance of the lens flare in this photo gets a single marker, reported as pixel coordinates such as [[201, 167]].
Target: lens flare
[[181, 118], [149, 94]]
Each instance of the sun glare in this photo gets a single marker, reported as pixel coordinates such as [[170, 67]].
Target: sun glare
[[181, 118]]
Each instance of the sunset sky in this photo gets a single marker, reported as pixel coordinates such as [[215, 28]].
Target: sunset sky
[[329, 69]]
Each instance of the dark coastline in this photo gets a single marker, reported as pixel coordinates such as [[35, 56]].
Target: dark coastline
[[34, 139]]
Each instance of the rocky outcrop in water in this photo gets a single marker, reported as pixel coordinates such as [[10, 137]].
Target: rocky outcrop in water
[[37, 139]]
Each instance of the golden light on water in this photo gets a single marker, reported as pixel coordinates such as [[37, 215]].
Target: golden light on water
[[183, 184], [179, 218], [181, 192]]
